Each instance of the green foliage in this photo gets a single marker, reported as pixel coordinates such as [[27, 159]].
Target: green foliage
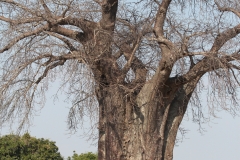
[[84, 156], [13, 147]]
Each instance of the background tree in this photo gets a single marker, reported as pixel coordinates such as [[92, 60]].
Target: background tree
[[27, 147], [139, 63], [84, 156]]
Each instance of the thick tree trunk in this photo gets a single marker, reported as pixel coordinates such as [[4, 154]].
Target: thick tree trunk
[[140, 127], [139, 120]]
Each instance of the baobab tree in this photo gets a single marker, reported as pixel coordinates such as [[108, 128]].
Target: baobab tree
[[137, 63]]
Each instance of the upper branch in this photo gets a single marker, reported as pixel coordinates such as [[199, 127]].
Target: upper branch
[[225, 36], [83, 24], [227, 9], [50, 67], [47, 10], [24, 35], [20, 21], [23, 7], [109, 11], [65, 40], [67, 9], [160, 18], [204, 66], [55, 61], [78, 36], [130, 57]]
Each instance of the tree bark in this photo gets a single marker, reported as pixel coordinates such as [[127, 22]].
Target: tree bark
[[140, 128], [137, 122]]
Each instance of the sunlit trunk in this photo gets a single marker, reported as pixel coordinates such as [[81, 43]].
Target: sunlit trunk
[[130, 129]]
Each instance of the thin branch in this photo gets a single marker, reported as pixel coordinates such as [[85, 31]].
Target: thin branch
[[20, 21], [75, 35], [234, 76], [47, 10], [204, 66], [21, 6], [54, 65], [225, 36], [65, 40], [160, 18], [125, 22], [84, 24], [67, 9], [109, 12], [130, 59], [227, 9], [22, 36]]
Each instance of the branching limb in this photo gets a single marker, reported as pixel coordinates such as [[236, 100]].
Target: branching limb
[[20, 21], [223, 37], [237, 13], [23, 7], [22, 36], [130, 57], [83, 24], [86, 26], [6, 19], [75, 35], [126, 23], [109, 12], [47, 10], [67, 9], [21, 67], [50, 67], [160, 18], [65, 40], [204, 66]]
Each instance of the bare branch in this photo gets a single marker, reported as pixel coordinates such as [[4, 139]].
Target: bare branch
[[24, 35], [109, 11], [206, 65], [65, 40], [47, 10], [78, 36], [225, 36], [130, 57], [160, 18], [85, 25], [48, 68], [20, 21], [21, 6], [227, 9], [67, 9]]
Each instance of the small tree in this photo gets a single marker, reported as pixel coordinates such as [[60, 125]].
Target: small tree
[[26, 147], [84, 156]]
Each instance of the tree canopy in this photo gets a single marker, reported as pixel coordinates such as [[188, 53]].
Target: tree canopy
[[83, 156], [26, 147]]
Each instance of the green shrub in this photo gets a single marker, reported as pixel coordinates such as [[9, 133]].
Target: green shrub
[[83, 156], [14, 147]]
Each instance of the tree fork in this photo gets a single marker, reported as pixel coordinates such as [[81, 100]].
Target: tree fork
[[130, 131]]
